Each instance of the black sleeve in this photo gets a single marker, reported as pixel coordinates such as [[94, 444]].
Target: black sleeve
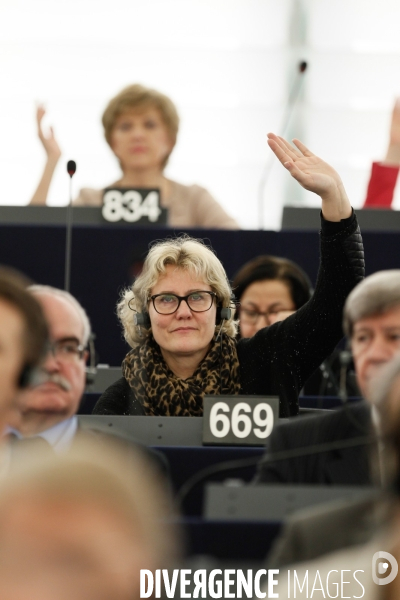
[[118, 399], [280, 358], [289, 436]]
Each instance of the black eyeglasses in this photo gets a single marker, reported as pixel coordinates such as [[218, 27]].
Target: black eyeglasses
[[167, 304]]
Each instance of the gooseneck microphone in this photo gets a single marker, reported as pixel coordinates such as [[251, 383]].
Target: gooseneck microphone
[[290, 106], [71, 169]]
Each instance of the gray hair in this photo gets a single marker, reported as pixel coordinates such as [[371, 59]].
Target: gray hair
[[375, 295], [185, 253], [38, 290]]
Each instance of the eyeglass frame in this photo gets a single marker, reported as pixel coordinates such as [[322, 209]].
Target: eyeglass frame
[[258, 314], [78, 353], [185, 298]]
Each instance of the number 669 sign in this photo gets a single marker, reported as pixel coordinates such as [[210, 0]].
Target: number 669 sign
[[239, 420]]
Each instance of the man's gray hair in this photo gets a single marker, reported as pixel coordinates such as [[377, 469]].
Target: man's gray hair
[[47, 290], [375, 295]]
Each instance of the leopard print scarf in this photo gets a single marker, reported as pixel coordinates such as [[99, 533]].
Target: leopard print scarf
[[162, 393]]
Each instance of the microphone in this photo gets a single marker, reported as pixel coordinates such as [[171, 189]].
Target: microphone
[[290, 106], [71, 169]]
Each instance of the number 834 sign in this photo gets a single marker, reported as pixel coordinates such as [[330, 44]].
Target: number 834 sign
[[239, 420]]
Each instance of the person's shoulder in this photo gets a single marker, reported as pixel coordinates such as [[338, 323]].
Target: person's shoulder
[[325, 425], [115, 399], [119, 438], [120, 386], [89, 197], [192, 191]]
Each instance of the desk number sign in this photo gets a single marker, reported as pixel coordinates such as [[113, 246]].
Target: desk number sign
[[239, 420], [139, 206]]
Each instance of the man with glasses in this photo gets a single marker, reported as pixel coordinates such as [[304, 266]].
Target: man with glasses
[[48, 410]]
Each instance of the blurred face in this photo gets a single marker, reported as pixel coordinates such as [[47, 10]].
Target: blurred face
[[184, 333], [11, 355], [263, 303], [140, 140], [68, 550], [374, 342], [58, 399]]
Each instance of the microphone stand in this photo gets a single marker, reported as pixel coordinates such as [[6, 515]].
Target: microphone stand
[[302, 67], [71, 168]]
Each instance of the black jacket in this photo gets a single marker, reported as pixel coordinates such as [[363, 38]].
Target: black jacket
[[347, 466]]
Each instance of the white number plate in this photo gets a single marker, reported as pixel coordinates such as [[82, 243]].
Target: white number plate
[[131, 205], [239, 420]]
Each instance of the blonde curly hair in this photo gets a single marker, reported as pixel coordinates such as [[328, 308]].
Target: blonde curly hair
[[185, 253]]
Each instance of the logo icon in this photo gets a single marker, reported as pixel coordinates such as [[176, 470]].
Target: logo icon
[[384, 568]]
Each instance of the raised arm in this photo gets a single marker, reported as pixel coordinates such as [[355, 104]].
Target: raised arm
[[393, 152], [384, 174], [314, 175], [280, 358], [53, 154]]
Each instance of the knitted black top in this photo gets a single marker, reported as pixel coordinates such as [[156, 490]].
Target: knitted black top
[[280, 358]]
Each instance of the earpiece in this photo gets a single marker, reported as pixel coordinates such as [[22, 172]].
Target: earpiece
[[28, 376], [142, 319], [91, 370], [223, 314]]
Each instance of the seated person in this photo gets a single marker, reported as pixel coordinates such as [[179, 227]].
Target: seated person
[[183, 334], [313, 532], [271, 288], [74, 526], [372, 324], [384, 174], [47, 411], [354, 536], [141, 127]]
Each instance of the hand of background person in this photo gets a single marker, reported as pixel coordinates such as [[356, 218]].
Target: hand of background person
[[53, 153], [393, 151], [314, 175], [49, 142]]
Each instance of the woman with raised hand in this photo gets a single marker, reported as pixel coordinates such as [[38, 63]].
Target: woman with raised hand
[[177, 320], [141, 127]]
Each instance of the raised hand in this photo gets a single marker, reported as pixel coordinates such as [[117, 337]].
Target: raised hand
[[314, 175], [49, 142], [53, 153], [393, 151]]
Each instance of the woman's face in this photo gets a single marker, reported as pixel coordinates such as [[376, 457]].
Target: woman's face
[[184, 333], [140, 140], [263, 303]]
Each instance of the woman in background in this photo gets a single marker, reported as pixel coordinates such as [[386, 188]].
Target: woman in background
[[141, 127], [270, 289]]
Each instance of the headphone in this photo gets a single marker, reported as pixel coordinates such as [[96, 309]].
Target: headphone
[[91, 370], [224, 313], [28, 376]]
